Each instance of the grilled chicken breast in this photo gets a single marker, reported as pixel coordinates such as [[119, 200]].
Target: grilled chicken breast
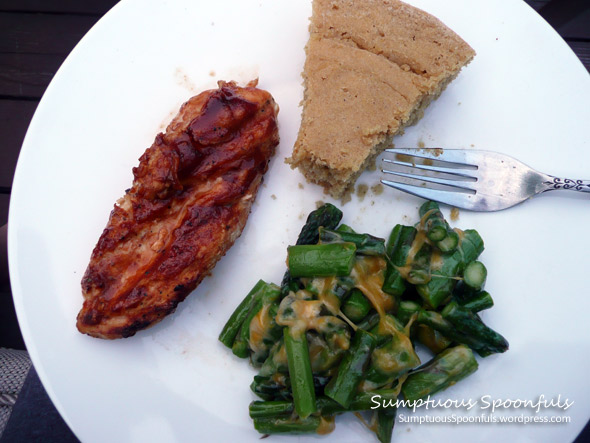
[[191, 196]]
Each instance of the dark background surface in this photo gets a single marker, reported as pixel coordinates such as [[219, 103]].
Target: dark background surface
[[35, 38]]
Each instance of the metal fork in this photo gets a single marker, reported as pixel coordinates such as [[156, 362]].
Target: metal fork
[[469, 179]]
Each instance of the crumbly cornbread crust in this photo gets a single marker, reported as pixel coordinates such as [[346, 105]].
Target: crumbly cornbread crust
[[372, 67]]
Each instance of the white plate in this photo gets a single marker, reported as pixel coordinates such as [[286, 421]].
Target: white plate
[[525, 94]]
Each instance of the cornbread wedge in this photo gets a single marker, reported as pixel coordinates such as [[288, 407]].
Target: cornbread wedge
[[372, 67]]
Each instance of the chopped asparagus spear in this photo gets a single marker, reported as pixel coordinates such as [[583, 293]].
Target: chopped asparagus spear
[[444, 370], [385, 424], [278, 386], [327, 216], [471, 325], [406, 309], [419, 272], [300, 373], [365, 244], [369, 322], [433, 221], [258, 339], [324, 260], [398, 246], [437, 229], [356, 307], [441, 285], [233, 325], [436, 321], [270, 408], [478, 302], [470, 245], [322, 286], [345, 228], [475, 275], [326, 350], [449, 243], [240, 347], [263, 330], [432, 339], [394, 354], [362, 401], [450, 265], [276, 360], [343, 387], [273, 387], [283, 425], [472, 299]]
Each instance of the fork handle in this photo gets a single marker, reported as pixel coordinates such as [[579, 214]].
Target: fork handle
[[566, 183]]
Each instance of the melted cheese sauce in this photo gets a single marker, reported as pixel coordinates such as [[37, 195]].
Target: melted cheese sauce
[[436, 260], [326, 426], [259, 325], [425, 218], [280, 357], [387, 326], [279, 378], [305, 314], [326, 295], [320, 354], [369, 274], [417, 244]]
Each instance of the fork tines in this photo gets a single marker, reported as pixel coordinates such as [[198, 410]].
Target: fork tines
[[422, 173]]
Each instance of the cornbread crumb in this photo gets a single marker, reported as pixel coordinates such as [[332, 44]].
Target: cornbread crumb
[[274, 197], [421, 144], [454, 214], [319, 204], [372, 166], [377, 189], [300, 185], [372, 67], [361, 191]]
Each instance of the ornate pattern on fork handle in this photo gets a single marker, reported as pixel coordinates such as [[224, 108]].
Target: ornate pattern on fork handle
[[568, 184]]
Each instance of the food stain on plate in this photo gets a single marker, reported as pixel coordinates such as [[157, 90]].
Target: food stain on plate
[[182, 79]]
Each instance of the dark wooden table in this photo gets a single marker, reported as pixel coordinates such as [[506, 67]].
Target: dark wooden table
[[35, 38]]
